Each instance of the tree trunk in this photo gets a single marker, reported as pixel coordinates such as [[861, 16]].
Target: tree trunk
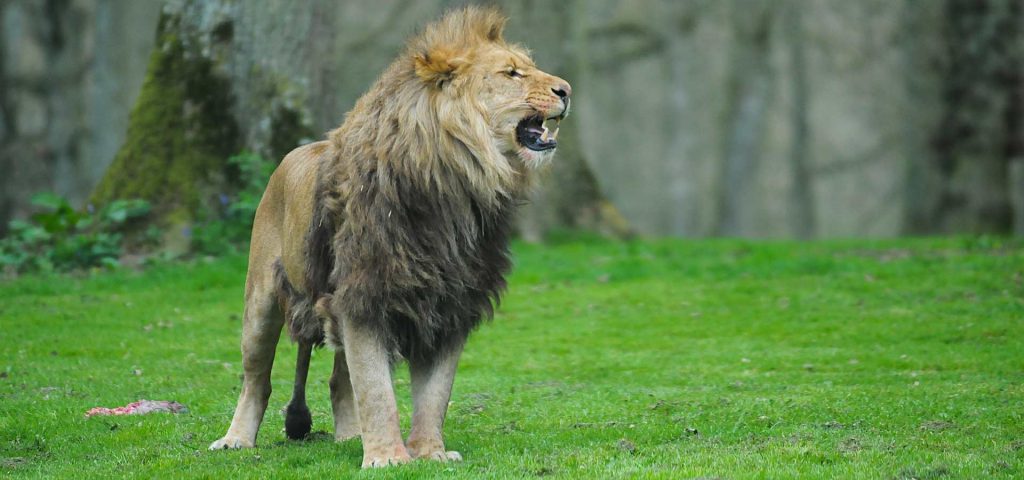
[[749, 94], [802, 216], [981, 128], [180, 134], [568, 195]]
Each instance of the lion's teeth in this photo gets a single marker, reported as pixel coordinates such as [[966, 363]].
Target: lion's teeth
[[554, 136], [544, 136]]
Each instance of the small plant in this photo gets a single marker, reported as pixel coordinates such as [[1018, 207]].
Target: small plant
[[62, 238], [227, 227]]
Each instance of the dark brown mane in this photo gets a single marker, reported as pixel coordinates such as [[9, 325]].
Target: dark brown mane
[[421, 268], [411, 221]]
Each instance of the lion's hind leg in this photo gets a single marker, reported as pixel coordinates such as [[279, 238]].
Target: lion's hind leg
[[343, 402], [306, 329], [261, 330]]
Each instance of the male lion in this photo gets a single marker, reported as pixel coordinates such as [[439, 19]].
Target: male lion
[[390, 239]]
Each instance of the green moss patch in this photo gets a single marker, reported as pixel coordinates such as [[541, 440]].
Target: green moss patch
[[180, 134]]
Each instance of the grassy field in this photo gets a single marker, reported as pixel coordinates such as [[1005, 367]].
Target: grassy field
[[660, 359]]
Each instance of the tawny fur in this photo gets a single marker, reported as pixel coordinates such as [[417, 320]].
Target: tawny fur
[[391, 238]]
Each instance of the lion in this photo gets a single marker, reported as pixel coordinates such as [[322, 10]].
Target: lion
[[389, 240]]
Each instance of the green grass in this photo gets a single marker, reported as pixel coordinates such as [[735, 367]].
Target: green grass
[[663, 359]]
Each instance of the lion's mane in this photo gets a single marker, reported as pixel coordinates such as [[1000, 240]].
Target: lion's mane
[[414, 202]]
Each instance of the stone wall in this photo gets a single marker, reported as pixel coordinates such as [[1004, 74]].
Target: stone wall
[[759, 118], [69, 73]]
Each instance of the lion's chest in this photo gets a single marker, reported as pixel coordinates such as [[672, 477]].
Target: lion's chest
[[430, 269]]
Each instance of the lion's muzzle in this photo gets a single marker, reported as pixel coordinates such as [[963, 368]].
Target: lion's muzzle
[[532, 133]]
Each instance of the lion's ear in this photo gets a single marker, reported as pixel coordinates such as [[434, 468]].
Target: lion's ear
[[496, 27], [438, 67]]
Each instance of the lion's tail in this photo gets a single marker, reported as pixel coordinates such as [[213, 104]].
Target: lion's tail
[[297, 419]]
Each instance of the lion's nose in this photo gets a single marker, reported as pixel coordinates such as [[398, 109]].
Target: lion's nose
[[563, 90]]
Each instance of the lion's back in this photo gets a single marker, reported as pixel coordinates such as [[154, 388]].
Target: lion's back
[[288, 204]]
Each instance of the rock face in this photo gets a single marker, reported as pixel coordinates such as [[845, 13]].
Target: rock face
[[69, 73], [764, 118], [751, 118]]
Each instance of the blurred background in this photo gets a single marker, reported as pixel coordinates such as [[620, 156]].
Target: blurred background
[[748, 118]]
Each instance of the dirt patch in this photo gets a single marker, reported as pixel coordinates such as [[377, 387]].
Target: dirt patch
[[543, 471], [13, 462], [597, 424], [936, 425], [930, 473], [850, 445]]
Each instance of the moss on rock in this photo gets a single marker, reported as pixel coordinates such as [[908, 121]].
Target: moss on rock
[[287, 130], [180, 134]]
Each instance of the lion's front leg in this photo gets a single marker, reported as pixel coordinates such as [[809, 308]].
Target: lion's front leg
[[431, 388], [370, 372]]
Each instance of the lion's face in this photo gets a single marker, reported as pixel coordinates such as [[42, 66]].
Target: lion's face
[[524, 105], [494, 93], [495, 110]]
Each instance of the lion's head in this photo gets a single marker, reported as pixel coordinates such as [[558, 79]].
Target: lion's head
[[464, 61], [461, 99]]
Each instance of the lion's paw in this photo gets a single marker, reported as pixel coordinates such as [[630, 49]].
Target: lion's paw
[[432, 449], [231, 442], [378, 462], [443, 456], [397, 456]]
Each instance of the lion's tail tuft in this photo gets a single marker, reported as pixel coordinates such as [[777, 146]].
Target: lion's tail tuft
[[297, 419]]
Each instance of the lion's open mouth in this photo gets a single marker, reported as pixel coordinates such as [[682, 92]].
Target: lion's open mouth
[[533, 134]]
